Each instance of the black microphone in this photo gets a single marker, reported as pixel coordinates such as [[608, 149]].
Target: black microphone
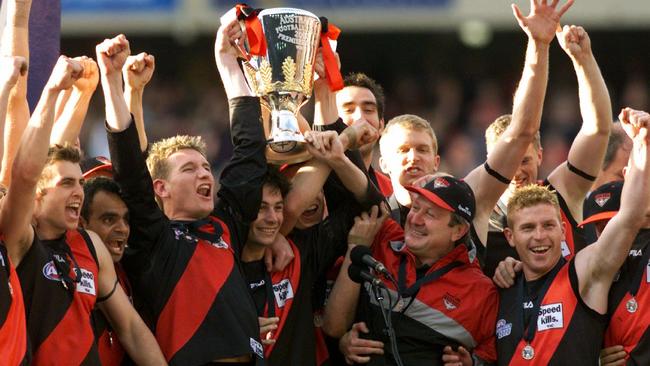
[[359, 275], [362, 256]]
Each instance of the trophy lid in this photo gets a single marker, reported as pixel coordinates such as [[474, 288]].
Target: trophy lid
[[272, 11]]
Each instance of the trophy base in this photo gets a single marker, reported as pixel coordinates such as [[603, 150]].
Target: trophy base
[[299, 154]]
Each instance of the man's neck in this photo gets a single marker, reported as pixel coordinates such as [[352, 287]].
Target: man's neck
[[402, 195], [46, 232], [433, 256], [531, 275], [252, 252]]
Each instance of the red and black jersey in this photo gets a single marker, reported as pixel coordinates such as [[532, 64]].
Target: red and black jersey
[[629, 301], [186, 276], [60, 283], [497, 245], [13, 331], [458, 308], [111, 352], [381, 181], [568, 331]]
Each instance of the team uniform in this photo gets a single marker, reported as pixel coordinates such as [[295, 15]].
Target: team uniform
[[497, 245], [13, 331], [546, 322], [111, 352], [455, 304], [629, 299], [59, 279], [167, 260]]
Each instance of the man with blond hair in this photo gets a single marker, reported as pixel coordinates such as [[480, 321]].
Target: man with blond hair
[[555, 312], [188, 239]]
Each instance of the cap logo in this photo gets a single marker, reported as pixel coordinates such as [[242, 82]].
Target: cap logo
[[602, 198], [440, 183], [465, 210]]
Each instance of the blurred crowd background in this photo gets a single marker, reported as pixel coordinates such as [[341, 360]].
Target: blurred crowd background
[[454, 62]]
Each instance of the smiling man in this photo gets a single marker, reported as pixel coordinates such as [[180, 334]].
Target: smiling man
[[555, 312], [105, 213]]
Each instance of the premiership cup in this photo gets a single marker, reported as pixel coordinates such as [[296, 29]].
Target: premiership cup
[[284, 77]]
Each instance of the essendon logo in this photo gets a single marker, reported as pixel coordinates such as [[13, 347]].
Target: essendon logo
[[440, 183], [602, 198], [50, 272]]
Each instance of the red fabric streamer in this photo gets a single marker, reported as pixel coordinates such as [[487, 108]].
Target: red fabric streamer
[[254, 32], [334, 78]]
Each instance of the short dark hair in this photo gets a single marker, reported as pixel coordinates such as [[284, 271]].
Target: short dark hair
[[277, 180], [616, 140], [92, 187], [364, 81]]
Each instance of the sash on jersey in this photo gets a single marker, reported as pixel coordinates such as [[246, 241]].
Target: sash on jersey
[[172, 330], [279, 296]]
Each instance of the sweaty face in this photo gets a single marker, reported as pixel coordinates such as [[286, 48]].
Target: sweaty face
[[357, 104], [427, 231], [188, 189], [109, 218], [527, 172], [313, 214], [536, 234], [263, 230], [58, 206], [407, 155]]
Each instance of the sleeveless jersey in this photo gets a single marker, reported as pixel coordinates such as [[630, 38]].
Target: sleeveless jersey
[[568, 331], [58, 311], [13, 331]]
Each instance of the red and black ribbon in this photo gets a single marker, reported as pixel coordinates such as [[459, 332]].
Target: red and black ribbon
[[330, 32], [254, 32]]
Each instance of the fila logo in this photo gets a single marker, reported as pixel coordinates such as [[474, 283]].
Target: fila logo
[[450, 301], [647, 273], [2, 260], [440, 183], [550, 317], [528, 305], [283, 292], [602, 198], [636, 252]]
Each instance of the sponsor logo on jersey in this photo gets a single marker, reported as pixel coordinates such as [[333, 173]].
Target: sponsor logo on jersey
[[503, 329], [86, 284], [635, 253], [528, 305], [2, 260], [450, 301], [257, 348], [602, 198], [283, 292], [550, 317], [254, 285], [647, 272], [50, 272]]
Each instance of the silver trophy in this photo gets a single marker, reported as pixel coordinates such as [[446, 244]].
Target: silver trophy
[[284, 77]]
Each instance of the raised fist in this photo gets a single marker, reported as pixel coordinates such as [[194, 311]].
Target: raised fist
[[65, 74], [574, 40], [112, 54], [138, 70], [87, 83], [11, 68]]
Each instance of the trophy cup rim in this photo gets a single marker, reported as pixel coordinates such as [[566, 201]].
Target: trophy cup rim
[[284, 10]]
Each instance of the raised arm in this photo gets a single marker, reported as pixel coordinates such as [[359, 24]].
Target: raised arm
[[597, 264], [111, 56], [11, 68], [342, 302], [15, 42], [505, 157], [588, 149], [137, 72], [16, 214], [68, 123]]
